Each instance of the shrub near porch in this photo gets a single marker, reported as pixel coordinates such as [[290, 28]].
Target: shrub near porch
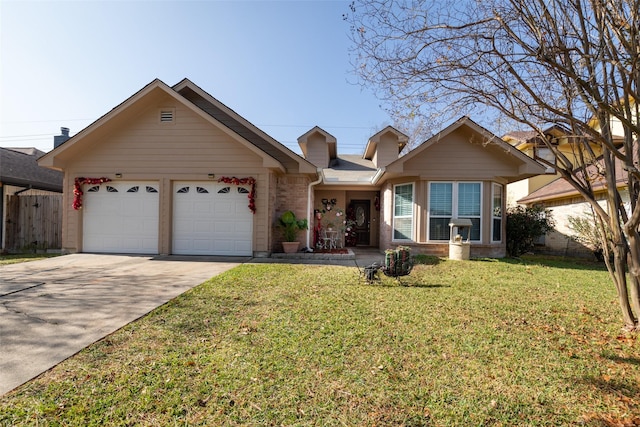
[[462, 343]]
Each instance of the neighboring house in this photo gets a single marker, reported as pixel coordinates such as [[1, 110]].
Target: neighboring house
[[529, 142], [553, 192], [564, 202], [172, 170], [28, 194]]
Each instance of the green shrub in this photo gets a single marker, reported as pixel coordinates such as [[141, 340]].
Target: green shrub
[[585, 228], [524, 226]]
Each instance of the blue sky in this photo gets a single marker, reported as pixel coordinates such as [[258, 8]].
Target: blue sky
[[282, 65]]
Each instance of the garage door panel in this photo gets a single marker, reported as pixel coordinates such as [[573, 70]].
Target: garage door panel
[[201, 208], [119, 220], [203, 226], [208, 220], [181, 227], [201, 245], [224, 208]]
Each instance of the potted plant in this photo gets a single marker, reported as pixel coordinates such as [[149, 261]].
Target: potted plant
[[290, 226]]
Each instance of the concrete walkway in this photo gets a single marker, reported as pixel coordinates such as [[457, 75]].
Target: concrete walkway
[[51, 309]]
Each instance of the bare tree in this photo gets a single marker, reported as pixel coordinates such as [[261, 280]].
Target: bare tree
[[573, 63]]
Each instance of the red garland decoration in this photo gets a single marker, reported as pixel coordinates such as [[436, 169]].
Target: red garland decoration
[[77, 189], [244, 181]]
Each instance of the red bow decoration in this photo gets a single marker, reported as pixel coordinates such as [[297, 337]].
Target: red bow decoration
[[244, 181], [77, 189]]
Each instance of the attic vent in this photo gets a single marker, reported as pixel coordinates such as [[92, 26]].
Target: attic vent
[[167, 115]]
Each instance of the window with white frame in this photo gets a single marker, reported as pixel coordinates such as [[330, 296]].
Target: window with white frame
[[440, 209], [496, 213], [403, 212], [454, 200]]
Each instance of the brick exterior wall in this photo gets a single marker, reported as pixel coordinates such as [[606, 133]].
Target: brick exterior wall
[[290, 194]]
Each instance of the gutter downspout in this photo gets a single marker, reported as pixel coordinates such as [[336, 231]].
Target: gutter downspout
[[309, 207]]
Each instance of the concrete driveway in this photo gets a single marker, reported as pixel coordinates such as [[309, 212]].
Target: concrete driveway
[[53, 308]]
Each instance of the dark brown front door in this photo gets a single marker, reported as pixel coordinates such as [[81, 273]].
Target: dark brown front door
[[362, 209]]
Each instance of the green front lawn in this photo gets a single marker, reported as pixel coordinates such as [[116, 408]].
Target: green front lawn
[[469, 343]]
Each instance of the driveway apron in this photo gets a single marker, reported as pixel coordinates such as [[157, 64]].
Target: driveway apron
[[53, 308]]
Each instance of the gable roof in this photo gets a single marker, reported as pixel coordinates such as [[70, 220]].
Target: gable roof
[[372, 144], [332, 143], [238, 124], [19, 167], [273, 153], [528, 166], [531, 137], [561, 188]]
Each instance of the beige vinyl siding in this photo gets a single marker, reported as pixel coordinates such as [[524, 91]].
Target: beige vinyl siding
[[145, 149], [317, 150], [387, 150], [457, 159], [190, 146]]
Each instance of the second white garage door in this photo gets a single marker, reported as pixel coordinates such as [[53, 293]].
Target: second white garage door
[[211, 219]]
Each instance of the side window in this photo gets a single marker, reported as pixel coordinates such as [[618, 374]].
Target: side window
[[440, 210], [403, 212], [496, 213]]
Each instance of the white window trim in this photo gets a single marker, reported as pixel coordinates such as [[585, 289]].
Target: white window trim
[[413, 210], [454, 207], [495, 185]]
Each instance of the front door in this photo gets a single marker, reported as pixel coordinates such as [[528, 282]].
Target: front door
[[362, 209]]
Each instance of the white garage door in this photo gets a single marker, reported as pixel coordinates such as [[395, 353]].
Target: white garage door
[[212, 219], [121, 217]]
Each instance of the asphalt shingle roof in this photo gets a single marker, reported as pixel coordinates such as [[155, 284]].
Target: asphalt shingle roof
[[19, 167]]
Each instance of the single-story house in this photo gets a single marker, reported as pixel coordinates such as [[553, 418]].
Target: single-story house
[[21, 176], [172, 170]]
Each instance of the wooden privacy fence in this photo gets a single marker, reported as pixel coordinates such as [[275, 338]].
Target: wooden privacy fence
[[34, 222]]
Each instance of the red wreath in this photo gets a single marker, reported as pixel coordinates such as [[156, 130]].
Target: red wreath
[[77, 189], [244, 181]]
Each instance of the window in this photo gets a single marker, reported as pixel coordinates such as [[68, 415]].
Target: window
[[545, 153], [454, 200], [403, 212], [496, 213], [440, 210]]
